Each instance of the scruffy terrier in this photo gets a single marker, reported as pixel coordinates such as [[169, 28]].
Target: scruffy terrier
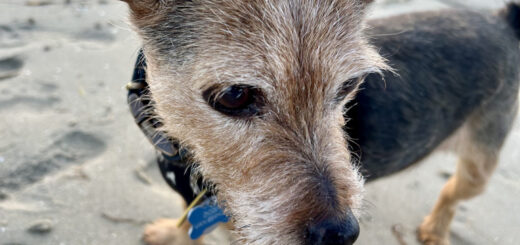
[[273, 99]]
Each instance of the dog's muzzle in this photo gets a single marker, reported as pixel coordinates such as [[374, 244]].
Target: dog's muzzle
[[333, 231]]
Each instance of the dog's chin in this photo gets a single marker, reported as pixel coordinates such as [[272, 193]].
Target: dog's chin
[[256, 238], [272, 219], [257, 219], [265, 233]]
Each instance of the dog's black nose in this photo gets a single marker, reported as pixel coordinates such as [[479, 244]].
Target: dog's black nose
[[333, 231]]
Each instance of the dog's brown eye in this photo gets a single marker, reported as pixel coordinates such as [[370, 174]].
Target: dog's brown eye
[[237, 100], [235, 97]]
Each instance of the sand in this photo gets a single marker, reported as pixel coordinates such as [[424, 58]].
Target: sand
[[75, 169]]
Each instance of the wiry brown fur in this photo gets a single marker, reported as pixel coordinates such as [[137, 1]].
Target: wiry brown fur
[[277, 172], [299, 53]]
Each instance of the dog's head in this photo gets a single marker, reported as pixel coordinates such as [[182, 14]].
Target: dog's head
[[256, 90]]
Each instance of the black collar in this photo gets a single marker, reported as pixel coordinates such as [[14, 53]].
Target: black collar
[[140, 105], [172, 159]]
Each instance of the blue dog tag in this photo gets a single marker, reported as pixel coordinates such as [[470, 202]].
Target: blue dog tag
[[204, 218]]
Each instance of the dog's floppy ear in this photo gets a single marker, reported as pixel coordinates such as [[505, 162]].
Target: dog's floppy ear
[[143, 8]]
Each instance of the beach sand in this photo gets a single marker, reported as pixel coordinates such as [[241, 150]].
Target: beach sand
[[75, 169]]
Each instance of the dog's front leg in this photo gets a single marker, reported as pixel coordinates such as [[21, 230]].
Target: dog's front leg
[[167, 232], [469, 180]]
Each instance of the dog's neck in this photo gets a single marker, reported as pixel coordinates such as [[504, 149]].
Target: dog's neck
[[173, 159]]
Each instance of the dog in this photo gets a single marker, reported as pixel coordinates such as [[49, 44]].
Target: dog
[[286, 107]]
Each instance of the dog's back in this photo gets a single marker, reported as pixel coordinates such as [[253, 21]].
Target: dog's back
[[454, 68]]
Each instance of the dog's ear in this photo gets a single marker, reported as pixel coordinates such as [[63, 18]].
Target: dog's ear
[[143, 8]]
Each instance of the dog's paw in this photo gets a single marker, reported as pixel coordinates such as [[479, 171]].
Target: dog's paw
[[165, 232], [429, 234]]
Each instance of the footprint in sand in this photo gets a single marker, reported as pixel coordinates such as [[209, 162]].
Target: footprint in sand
[[10, 67], [73, 148], [83, 144], [99, 33], [10, 38], [31, 102]]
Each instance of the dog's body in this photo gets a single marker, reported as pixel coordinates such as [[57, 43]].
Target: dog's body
[[456, 69], [279, 158], [457, 90]]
